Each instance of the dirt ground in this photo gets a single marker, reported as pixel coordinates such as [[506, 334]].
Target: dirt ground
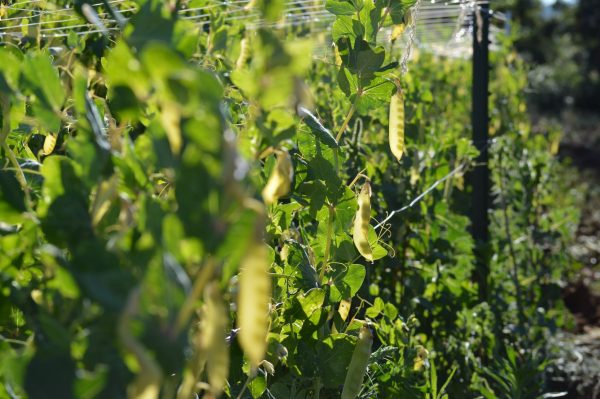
[[576, 366]]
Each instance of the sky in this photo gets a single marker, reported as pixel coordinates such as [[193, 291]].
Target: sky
[[550, 2]]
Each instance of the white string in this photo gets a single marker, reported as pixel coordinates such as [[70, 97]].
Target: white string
[[411, 37], [422, 195]]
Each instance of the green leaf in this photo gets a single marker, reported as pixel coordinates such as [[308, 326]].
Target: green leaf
[[315, 193], [390, 311], [348, 82], [378, 250], [361, 59], [244, 79], [345, 27], [61, 177], [12, 198], [311, 301], [345, 210], [186, 36], [328, 358], [13, 366], [258, 386], [399, 8], [10, 68], [340, 7], [89, 385], [65, 217], [377, 94], [41, 78], [370, 16], [44, 379], [376, 309], [346, 282], [151, 24], [271, 9], [62, 281], [317, 128], [123, 69], [160, 61], [100, 276], [299, 261]]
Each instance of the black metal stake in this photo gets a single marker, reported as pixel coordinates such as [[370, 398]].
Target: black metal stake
[[480, 176]]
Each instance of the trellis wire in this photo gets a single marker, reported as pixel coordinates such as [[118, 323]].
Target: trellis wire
[[418, 198], [460, 168]]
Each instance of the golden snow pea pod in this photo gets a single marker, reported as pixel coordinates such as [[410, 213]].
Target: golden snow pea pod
[[361, 223], [253, 303], [358, 364], [396, 129], [49, 144], [214, 328], [279, 182], [421, 359]]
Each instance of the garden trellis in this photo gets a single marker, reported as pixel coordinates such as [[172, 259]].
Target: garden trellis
[[178, 186]]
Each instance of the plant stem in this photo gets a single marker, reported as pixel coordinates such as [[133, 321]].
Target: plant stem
[[317, 387], [190, 301], [513, 256], [358, 176], [327, 244], [149, 378], [12, 341], [385, 14], [5, 104], [245, 386], [20, 175], [345, 124]]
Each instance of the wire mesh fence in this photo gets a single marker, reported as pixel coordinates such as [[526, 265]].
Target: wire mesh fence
[[441, 27]]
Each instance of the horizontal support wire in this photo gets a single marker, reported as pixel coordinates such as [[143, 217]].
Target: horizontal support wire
[[418, 198], [54, 12], [79, 19], [460, 168]]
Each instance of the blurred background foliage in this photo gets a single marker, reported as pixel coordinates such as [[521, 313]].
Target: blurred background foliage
[[561, 42]]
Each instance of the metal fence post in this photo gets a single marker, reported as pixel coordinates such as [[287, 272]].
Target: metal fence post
[[480, 176]]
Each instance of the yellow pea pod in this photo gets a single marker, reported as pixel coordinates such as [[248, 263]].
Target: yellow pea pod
[[396, 132], [397, 31], [244, 52], [279, 182], [338, 58], [49, 144], [361, 223], [147, 383], [171, 121], [344, 309], [214, 329], [408, 18], [421, 359], [358, 364], [254, 298]]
